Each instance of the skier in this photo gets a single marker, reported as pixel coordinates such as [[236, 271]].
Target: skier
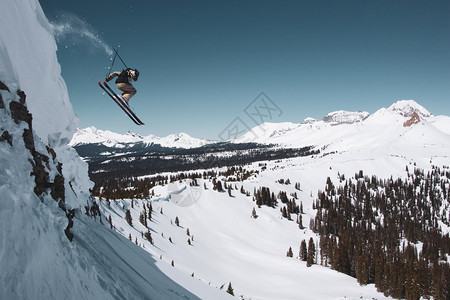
[[123, 82]]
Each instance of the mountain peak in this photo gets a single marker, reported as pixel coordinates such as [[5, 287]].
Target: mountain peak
[[345, 117], [407, 108]]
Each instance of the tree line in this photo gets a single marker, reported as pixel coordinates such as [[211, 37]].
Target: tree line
[[388, 232]]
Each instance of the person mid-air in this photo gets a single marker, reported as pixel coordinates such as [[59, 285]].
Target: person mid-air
[[123, 82]]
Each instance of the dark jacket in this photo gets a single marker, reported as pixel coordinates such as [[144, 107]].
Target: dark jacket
[[126, 76]]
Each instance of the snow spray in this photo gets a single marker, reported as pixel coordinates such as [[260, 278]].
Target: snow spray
[[71, 30]]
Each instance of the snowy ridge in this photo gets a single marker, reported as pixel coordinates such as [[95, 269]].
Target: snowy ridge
[[346, 131], [92, 135]]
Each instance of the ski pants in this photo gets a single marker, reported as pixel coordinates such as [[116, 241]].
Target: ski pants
[[127, 89]]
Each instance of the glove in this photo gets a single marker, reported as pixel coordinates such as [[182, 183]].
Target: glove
[[107, 78]]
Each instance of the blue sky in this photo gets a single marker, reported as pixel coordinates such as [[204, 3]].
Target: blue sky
[[202, 63]]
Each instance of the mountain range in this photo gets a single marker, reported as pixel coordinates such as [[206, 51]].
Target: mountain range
[[405, 121], [92, 135]]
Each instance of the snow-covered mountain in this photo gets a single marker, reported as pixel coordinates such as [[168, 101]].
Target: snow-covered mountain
[[402, 126], [404, 123], [92, 135]]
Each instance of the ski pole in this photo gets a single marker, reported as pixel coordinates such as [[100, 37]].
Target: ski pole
[[120, 58]]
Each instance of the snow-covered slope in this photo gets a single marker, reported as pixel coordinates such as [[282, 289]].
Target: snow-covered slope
[[228, 245], [92, 135]]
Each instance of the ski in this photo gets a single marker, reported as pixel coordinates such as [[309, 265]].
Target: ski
[[118, 103], [124, 106], [121, 105]]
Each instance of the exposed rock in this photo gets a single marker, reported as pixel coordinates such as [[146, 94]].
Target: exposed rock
[[28, 138], [57, 188], [3, 87], [345, 117], [41, 162], [413, 120], [6, 137], [52, 152], [22, 97], [19, 112], [70, 214], [43, 166]]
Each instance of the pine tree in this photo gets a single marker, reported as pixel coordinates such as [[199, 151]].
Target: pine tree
[[142, 219], [110, 222], [284, 212], [230, 289], [303, 251], [148, 236], [219, 186], [300, 222], [254, 215], [128, 217], [289, 253], [311, 253]]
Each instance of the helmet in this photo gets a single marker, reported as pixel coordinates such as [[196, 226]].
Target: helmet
[[136, 75]]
